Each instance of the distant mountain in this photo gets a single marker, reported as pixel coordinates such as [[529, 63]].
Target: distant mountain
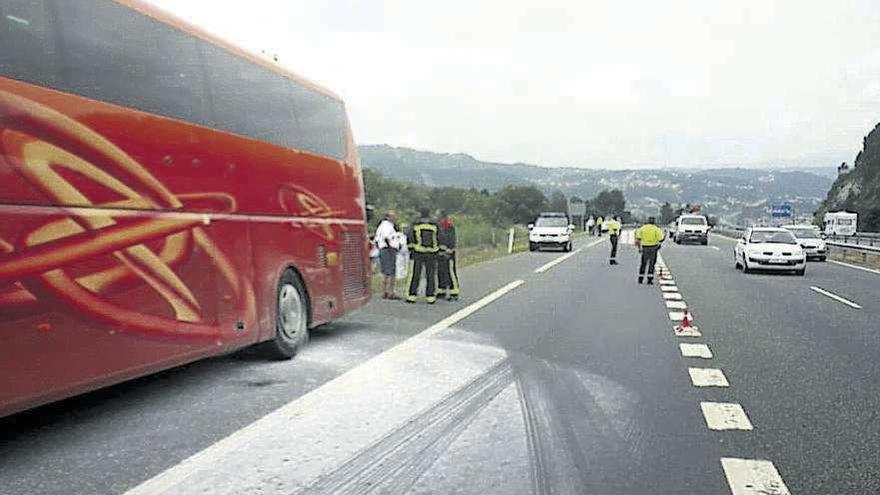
[[858, 190], [726, 192]]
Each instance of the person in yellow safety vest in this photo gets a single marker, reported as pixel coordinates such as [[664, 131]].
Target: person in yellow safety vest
[[648, 240], [423, 247], [599, 226], [614, 226], [447, 274]]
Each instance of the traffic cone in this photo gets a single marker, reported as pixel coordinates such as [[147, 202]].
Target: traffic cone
[[686, 324]]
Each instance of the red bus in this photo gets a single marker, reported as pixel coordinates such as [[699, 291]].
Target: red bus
[[164, 196]]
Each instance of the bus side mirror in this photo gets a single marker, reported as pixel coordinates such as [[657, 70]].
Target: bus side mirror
[[370, 209]]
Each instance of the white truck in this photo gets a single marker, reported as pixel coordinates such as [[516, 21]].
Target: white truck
[[691, 228], [840, 223]]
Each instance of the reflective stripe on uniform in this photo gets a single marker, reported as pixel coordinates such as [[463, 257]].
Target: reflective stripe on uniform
[[453, 277]]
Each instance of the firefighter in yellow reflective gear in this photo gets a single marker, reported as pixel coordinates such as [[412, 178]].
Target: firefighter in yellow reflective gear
[[423, 248], [447, 274], [648, 240], [614, 226]]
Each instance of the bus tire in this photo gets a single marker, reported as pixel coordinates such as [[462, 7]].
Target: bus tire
[[292, 312]]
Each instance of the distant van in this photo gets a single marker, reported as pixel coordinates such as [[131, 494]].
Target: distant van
[[693, 228], [841, 223]]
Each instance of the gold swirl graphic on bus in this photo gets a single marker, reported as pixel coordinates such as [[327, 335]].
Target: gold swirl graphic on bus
[[123, 228]]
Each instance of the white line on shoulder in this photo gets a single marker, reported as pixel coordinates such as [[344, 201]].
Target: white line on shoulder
[[834, 296]]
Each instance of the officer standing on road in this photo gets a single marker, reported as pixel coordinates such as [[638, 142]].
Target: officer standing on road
[[648, 240], [613, 236], [599, 226], [447, 275], [423, 247]]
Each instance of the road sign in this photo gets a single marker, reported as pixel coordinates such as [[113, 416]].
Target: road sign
[[781, 211]]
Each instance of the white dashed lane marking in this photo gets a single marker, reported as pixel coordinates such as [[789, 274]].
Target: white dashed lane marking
[[669, 281], [669, 288], [560, 259], [676, 305], [753, 477], [834, 296], [676, 315], [725, 416], [708, 377], [672, 296], [687, 332], [695, 350]]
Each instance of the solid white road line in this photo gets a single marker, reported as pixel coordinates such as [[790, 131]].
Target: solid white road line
[[301, 428], [725, 416], [716, 248], [695, 350], [669, 288], [672, 296], [676, 305], [856, 267], [563, 258], [469, 310], [708, 377], [835, 297], [753, 477]]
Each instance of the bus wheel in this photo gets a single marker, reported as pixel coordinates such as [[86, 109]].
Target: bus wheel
[[291, 318]]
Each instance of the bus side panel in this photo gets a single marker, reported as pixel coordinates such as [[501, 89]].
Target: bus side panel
[[138, 276]]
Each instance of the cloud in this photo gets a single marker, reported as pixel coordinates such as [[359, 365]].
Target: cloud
[[592, 83]]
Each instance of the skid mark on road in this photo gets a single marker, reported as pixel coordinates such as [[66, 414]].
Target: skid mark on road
[[582, 435], [394, 463]]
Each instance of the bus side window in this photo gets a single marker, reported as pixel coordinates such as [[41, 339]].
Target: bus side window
[[27, 42], [112, 53]]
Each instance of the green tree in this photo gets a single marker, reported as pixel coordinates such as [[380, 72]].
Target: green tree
[[666, 213], [521, 204], [558, 201], [610, 203]]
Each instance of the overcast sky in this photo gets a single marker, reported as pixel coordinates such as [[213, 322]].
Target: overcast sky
[[583, 83]]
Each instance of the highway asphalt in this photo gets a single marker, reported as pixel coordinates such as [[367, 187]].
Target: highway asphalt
[[569, 380]]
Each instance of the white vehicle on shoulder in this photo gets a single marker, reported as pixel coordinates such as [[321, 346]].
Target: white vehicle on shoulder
[[550, 230], [840, 223], [809, 238], [769, 248], [691, 228]]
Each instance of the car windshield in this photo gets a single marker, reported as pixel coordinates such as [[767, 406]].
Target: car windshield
[[693, 221], [806, 233], [772, 237], [551, 222]]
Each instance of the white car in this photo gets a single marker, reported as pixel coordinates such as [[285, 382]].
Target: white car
[[768, 248], [809, 239], [552, 231], [691, 228]]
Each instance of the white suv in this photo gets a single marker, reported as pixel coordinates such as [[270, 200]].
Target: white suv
[[691, 228], [550, 230]]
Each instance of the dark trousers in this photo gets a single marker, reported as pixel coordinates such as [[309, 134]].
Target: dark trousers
[[614, 238], [649, 259], [428, 263], [447, 275]]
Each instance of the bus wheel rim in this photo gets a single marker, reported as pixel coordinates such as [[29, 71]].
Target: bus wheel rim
[[291, 317]]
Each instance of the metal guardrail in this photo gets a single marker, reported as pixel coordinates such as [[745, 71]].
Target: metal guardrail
[[858, 242]]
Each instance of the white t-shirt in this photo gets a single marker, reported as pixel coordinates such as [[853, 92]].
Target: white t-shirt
[[385, 234]]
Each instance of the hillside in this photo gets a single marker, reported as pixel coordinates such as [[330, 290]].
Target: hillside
[[724, 192], [859, 189]]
